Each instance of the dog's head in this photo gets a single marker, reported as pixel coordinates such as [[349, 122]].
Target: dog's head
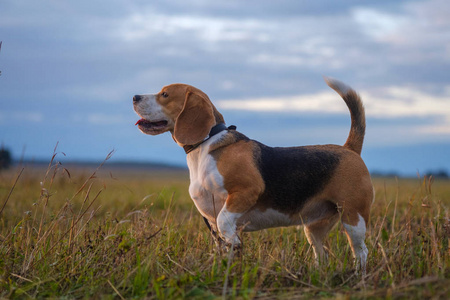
[[182, 109]]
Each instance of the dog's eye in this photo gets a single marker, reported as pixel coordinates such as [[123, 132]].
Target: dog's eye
[[164, 94]]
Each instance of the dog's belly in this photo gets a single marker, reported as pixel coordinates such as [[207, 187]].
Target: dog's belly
[[256, 220]]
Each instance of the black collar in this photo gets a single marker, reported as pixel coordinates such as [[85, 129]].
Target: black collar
[[215, 130]]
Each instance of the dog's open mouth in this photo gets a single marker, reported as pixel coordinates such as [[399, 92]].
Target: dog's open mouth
[[152, 127]]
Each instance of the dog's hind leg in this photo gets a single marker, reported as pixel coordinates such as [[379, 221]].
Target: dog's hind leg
[[356, 235], [354, 217], [316, 232]]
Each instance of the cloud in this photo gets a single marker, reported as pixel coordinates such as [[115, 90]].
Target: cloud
[[378, 24], [396, 102], [100, 92], [414, 34], [105, 119], [286, 40], [320, 102], [21, 116], [215, 42], [147, 24], [406, 102]]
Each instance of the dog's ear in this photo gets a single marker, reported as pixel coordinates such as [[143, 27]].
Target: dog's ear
[[195, 120]]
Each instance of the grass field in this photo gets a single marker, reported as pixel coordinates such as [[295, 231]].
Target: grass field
[[86, 233]]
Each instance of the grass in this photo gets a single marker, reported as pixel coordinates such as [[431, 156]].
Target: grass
[[76, 233]]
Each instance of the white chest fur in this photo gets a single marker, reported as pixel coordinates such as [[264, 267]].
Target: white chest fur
[[209, 194], [206, 188]]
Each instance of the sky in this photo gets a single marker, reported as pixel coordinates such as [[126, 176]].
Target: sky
[[69, 70]]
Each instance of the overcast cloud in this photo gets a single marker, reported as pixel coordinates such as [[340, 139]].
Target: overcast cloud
[[70, 69]]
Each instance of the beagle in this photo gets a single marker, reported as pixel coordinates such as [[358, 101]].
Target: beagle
[[240, 184]]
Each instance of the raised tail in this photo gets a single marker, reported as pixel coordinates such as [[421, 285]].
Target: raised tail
[[358, 128]]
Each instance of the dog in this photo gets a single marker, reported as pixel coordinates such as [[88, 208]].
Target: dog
[[240, 184]]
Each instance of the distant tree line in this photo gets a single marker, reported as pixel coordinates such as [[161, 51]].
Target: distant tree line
[[5, 158], [438, 174]]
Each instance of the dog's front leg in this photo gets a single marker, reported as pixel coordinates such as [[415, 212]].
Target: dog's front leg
[[217, 239], [236, 205], [226, 223]]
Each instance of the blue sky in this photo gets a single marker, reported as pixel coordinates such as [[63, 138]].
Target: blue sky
[[70, 69]]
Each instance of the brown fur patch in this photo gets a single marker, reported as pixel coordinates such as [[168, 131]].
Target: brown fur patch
[[350, 188], [242, 179]]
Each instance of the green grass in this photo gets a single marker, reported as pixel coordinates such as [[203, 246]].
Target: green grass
[[73, 233]]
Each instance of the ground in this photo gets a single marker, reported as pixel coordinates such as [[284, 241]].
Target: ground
[[82, 232]]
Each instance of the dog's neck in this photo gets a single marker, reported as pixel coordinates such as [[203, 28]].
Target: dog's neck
[[214, 130]]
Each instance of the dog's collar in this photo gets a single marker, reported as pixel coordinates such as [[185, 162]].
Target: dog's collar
[[215, 130]]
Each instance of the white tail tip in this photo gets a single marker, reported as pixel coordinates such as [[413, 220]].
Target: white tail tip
[[341, 88]]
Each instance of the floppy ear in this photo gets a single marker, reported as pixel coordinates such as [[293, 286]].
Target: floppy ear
[[195, 120]]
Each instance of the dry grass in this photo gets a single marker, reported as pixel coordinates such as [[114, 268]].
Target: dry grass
[[74, 233]]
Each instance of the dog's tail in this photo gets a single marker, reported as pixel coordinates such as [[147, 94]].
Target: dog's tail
[[358, 128]]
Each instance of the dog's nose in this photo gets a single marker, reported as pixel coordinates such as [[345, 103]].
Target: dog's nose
[[137, 98]]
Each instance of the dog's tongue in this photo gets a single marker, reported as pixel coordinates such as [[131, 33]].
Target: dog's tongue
[[139, 122]]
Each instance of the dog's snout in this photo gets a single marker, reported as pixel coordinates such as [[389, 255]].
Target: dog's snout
[[137, 98]]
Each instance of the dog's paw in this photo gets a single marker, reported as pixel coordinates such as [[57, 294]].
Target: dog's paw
[[221, 245], [234, 249]]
